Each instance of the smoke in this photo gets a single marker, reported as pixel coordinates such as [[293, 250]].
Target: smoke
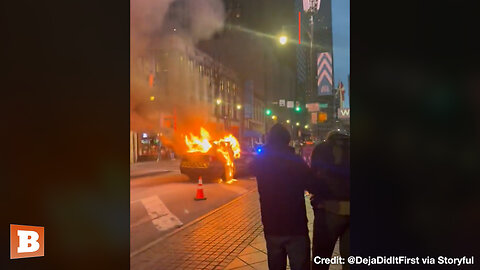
[[146, 20], [188, 21], [170, 25], [210, 18]]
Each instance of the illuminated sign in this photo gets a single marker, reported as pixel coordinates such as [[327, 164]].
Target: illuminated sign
[[343, 113], [324, 74], [311, 5], [313, 107], [314, 118]]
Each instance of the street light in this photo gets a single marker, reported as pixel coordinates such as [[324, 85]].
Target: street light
[[219, 101], [297, 124], [288, 121], [239, 107], [283, 39], [274, 117], [306, 126], [152, 98]]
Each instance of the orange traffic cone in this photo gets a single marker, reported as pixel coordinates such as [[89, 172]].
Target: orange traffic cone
[[200, 195]]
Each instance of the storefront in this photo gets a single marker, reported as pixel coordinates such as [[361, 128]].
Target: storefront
[[149, 147]]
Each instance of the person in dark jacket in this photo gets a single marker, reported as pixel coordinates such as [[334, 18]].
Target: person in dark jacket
[[282, 178], [331, 196]]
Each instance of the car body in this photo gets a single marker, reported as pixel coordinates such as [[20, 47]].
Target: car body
[[204, 165], [210, 165]]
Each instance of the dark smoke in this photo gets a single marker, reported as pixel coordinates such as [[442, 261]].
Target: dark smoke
[[169, 25]]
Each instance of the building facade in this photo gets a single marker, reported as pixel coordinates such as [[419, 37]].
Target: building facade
[[176, 92]]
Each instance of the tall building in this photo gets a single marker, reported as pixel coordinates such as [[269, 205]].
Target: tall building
[[265, 68], [320, 85], [301, 51]]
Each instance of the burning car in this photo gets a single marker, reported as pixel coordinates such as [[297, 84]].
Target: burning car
[[210, 159]]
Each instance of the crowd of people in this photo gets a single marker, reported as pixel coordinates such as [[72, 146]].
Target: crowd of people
[[283, 178]]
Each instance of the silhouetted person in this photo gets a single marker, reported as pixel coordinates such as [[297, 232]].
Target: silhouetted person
[[331, 197], [282, 178]]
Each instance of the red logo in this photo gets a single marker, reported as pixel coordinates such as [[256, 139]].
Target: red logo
[[26, 241]]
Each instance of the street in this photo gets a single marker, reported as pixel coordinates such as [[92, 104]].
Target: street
[[162, 202]]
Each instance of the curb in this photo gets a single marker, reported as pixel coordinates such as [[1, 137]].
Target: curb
[[140, 175], [168, 177], [149, 245]]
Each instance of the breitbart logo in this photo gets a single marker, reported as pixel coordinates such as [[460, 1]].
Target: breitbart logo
[[26, 241]]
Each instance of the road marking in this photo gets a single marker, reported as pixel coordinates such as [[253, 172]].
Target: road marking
[[159, 214], [154, 242], [143, 220]]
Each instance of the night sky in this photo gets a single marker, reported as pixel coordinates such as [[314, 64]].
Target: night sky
[[341, 44]]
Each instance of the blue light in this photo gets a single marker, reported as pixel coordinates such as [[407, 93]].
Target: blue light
[[259, 150]]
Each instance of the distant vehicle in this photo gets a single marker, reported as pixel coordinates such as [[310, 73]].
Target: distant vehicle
[[242, 165], [258, 149]]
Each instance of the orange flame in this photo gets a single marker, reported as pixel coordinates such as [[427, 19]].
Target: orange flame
[[228, 147], [196, 144]]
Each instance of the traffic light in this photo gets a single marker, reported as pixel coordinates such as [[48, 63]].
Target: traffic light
[[298, 109], [268, 112]]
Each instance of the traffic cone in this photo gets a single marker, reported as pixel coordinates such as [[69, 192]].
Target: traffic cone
[[200, 195]]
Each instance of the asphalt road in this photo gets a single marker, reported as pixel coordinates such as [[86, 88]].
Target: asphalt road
[[162, 203]]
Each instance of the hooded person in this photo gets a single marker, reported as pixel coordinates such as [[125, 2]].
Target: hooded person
[[282, 178], [331, 196]]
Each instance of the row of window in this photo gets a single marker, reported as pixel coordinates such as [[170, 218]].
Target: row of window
[[223, 89]]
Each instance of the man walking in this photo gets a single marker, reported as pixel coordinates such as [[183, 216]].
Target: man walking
[[282, 178]]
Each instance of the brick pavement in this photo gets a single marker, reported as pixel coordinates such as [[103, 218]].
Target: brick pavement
[[254, 256], [229, 238], [211, 243]]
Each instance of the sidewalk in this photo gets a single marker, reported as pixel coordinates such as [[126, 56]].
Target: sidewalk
[[254, 256], [230, 237]]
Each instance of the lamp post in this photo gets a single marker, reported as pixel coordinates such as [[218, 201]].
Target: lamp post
[[310, 8], [283, 40]]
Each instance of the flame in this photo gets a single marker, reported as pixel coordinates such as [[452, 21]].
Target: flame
[[196, 144], [228, 148], [233, 144]]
